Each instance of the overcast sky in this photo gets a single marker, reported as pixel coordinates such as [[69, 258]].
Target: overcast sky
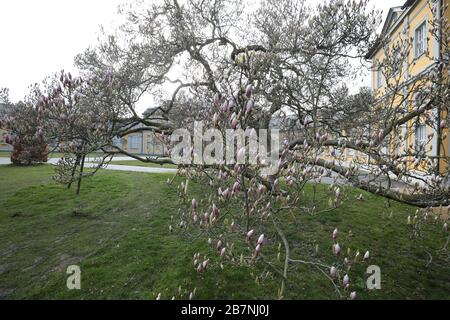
[[39, 37]]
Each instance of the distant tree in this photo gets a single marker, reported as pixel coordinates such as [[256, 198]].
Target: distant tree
[[24, 123]]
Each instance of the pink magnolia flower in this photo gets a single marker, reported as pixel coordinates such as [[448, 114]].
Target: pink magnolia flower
[[249, 91], [234, 123], [257, 249], [367, 255], [250, 106], [194, 204], [335, 232], [222, 252], [225, 107], [333, 272], [236, 187], [353, 295], [346, 280], [337, 249], [261, 239], [219, 244], [250, 234]]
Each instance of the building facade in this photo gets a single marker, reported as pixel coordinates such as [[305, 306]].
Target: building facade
[[143, 143], [410, 33]]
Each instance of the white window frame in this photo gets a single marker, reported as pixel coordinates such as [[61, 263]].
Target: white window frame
[[420, 40], [134, 142], [396, 53], [379, 76], [420, 137]]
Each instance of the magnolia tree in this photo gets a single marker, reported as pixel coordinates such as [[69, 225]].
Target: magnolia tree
[[81, 118], [285, 61], [24, 124], [238, 72]]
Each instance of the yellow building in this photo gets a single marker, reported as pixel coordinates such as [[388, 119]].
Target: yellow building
[[409, 35], [143, 143]]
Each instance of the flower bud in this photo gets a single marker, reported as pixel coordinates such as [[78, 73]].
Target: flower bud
[[346, 280], [337, 249], [335, 232], [333, 272], [353, 295], [261, 239], [249, 91], [366, 255], [250, 106], [250, 234], [234, 123]]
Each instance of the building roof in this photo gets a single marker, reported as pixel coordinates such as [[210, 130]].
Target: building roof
[[394, 14]]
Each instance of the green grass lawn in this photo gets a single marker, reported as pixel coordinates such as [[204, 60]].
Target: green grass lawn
[[117, 232]]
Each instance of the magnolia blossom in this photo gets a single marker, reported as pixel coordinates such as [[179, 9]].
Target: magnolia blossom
[[250, 234], [236, 187], [194, 204], [333, 272], [250, 106], [335, 232], [366, 255], [261, 239], [222, 252], [346, 280], [234, 123], [257, 249], [249, 91], [337, 249], [353, 295]]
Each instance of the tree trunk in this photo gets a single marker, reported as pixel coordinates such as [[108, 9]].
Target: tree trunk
[[80, 177], [77, 161]]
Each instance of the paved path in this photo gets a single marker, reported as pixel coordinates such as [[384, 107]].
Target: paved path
[[53, 161]]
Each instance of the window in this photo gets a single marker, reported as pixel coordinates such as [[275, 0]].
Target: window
[[379, 76], [421, 40], [421, 138], [396, 59], [134, 142]]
